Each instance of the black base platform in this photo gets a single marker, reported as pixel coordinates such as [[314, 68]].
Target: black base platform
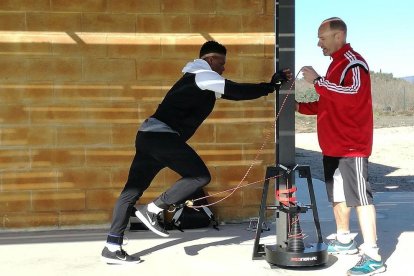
[[313, 255]]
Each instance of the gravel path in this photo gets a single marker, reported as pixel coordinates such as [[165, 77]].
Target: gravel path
[[391, 163]]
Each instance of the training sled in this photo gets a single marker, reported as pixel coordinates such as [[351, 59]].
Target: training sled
[[290, 250]]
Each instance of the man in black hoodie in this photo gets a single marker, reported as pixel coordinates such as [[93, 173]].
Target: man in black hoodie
[[161, 142]]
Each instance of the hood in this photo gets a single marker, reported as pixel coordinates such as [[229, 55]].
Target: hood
[[197, 64]]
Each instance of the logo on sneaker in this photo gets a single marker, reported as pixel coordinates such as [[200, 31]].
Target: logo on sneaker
[[150, 221], [122, 259], [374, 266]]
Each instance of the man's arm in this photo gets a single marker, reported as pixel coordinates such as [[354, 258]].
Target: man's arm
[[307, 108], [246, 91], [343, 93], [230, 90]]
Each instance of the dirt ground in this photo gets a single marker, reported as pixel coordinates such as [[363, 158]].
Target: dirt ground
[[391, 163]]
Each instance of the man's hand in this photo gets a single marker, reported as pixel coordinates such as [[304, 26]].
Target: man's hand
[[309, 74], [281, 76]]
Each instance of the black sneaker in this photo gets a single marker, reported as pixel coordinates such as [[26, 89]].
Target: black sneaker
[[150, 220], [118, 257]]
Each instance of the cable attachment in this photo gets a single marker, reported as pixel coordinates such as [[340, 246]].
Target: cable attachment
[[189, 203], [287, 171], [289, 198], [176, 207]]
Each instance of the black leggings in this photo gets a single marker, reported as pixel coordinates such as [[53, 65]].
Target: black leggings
[[155, 151]]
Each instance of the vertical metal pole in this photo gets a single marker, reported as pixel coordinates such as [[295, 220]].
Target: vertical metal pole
[[285, 126], [276, 61]]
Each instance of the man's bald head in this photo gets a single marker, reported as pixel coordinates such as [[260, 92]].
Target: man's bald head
[[335, 24], [332, 35]]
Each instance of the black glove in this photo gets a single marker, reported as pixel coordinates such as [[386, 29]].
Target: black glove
[[281, 77]]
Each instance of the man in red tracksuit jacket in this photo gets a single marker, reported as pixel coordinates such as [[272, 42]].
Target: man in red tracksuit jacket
[[345, 133]]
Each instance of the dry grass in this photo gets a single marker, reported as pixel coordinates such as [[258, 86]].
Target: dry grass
[[305, 124], [393, 102]]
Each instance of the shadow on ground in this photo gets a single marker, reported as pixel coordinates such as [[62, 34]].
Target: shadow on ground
[[378, 173]]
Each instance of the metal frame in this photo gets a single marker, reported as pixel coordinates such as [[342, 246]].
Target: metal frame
[[304, 172], [282, 254]]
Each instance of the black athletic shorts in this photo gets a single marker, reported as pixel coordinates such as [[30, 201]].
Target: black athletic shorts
[[346, 180]]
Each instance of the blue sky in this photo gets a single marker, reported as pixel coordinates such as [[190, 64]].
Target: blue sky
[[381, 31]]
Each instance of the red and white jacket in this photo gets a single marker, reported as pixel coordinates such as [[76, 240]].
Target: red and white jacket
[[344, 108]]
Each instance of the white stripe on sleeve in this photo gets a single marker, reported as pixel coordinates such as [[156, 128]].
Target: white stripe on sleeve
[[210, 80]]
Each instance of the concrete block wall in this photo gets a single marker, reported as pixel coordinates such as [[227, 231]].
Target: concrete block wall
[[78, 77]]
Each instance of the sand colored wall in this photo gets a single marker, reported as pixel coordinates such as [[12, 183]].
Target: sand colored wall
[[78, 77]]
